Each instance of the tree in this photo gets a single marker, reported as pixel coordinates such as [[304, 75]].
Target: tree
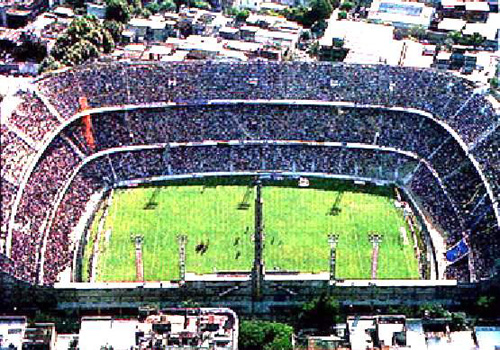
[[454, 36], [241, 16], [153, 7], [434, 310], [347, 6], [167, 5], [486, 305], [458, 321], [475, 39], [117, 10], [108, 43], [320, 9], [319, 27], [321, 313], [417, 32], [306, 35], [49, 64], [114, 28], [317, 10], [263, 335], [30, 50], [201, 4], [494, 82], [314, 48], [84, 39], [76, 3]]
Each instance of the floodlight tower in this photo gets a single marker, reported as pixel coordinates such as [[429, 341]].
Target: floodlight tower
[[258, 267], [375, 239], [182, 240], [139, 261], [333, 240]]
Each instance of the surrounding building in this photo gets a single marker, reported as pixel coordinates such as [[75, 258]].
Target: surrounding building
[[401, 14], [204, 328]]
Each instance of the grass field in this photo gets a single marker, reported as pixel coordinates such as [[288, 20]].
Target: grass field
[[297, 223]]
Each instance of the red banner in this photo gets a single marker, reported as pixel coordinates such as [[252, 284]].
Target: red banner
[[87, 123]]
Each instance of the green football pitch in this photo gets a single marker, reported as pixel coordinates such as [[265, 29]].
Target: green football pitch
[[220, 218]]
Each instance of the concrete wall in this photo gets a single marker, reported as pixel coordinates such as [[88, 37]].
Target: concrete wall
[[279, 297]]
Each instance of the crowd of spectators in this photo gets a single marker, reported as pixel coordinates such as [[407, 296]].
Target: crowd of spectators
[[295, 158], [487, 153], [446, 96], [261, 122], [462, 210], [60, 249], [33, 118], [8, 193], [47, 179], [485, 242], [254, 157], [15, 155], [437, 204]]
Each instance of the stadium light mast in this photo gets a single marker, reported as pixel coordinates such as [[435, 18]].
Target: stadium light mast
[[375, 239], [182, 240], [333, 240], [258, 267]]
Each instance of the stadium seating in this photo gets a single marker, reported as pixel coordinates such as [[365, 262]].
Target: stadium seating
[[447, 185]]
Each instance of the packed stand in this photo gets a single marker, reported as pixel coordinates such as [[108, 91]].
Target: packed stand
[[33, 118], [47, 179], [59, 250], [485, 243], [487, 153], [261, 122], [15, 155], [445, 96], [441, 211], [295, 158], [471, 217], [8, 193]]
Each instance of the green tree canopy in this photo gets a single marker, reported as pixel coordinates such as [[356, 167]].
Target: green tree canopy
[[114, 28], [49, 64], [167, 5], [153, 7], [30, 50], [201, 5], [117, 10], [263, 335], [347, 6], [321, 313], [84, 39], [320, 9], [307, 16]]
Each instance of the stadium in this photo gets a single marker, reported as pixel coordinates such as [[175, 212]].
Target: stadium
[[242, 177]]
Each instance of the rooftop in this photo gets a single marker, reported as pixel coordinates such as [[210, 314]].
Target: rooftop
[[173, 328], [407, 13], [449, 24]]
